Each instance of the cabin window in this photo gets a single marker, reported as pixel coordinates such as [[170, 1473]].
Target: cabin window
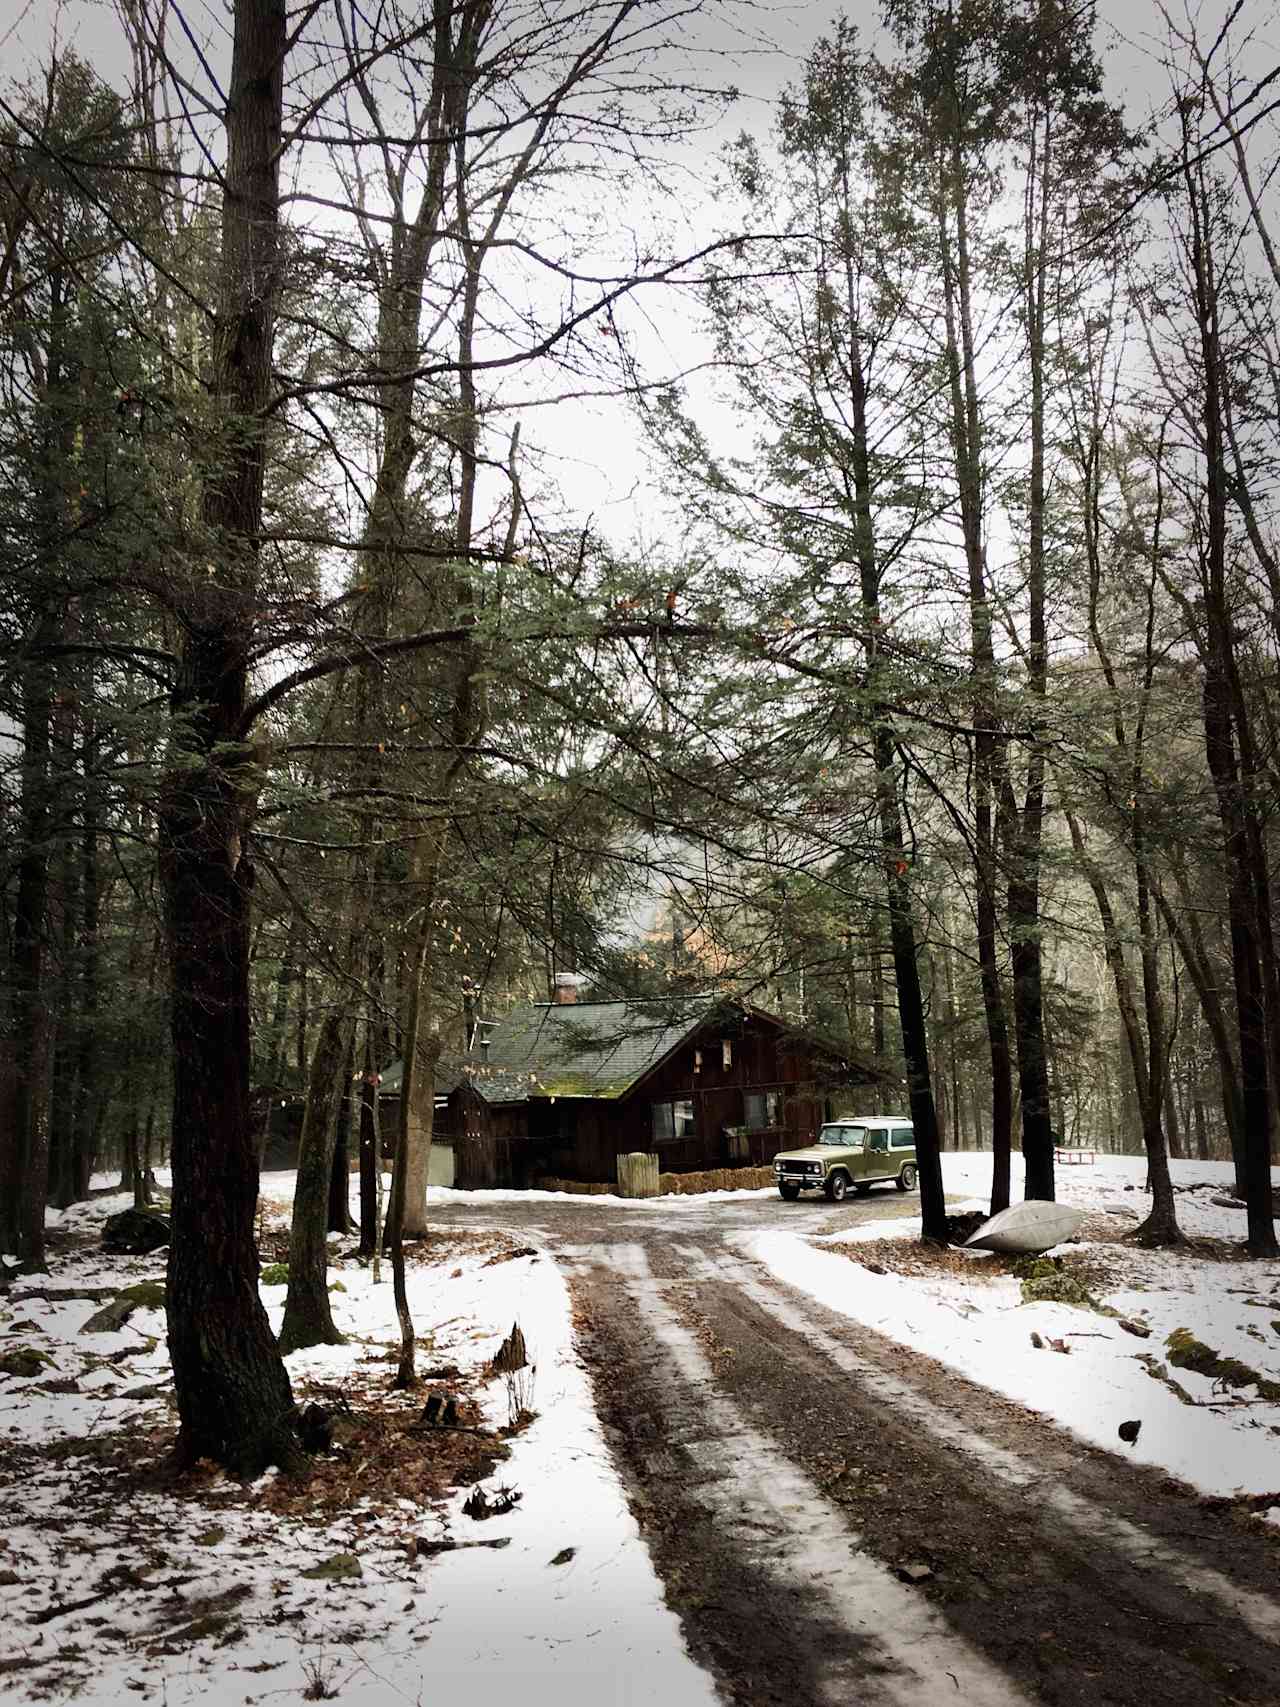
[[762, 1109], [672, 1120]]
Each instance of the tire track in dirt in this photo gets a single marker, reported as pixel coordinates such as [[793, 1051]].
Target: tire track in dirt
[[1097, 1608], [776, 1593]]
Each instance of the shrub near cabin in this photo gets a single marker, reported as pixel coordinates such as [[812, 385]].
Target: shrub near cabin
[[850, 1155]]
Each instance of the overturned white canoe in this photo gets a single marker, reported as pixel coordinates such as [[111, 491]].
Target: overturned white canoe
[[1027, 1228]]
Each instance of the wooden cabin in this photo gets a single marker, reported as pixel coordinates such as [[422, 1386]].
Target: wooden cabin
[[562, 1089]]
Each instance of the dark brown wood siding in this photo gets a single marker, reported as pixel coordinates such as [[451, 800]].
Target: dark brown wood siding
[[761, 1058], [581, 1138]]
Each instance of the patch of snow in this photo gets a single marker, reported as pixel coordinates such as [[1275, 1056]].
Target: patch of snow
[[477, 1626], [1260, 1612], [1223, 1443], [799, 1535]]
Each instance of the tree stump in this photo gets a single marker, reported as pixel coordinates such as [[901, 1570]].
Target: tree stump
[[511, 1354]]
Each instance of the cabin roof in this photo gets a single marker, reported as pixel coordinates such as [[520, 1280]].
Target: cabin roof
[[583, 1049], [599, 1050]]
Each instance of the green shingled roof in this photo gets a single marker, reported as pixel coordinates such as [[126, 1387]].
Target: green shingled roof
[[582, 1049], [578, 1049], [575, 1049]]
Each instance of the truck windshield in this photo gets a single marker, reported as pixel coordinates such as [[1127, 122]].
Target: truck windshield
[[848, 1137]]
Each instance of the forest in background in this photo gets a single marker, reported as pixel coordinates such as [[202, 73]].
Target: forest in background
[[942, 720]]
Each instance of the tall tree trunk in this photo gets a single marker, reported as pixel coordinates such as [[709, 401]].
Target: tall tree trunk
[[966, 451], [64, 910], [1161, 1226], [24, 1191], [1229, 749], [375, 1053], [308, 1319], [893, 848], [235, 1405], [1024, 841], [875, 981], [340, 1173], [89, 1091], [1184, 930], [953, 1048]]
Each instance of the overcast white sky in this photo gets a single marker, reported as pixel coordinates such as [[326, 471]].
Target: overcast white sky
[[593, 445]]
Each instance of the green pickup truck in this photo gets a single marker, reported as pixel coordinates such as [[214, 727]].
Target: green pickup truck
[[850, 1155]]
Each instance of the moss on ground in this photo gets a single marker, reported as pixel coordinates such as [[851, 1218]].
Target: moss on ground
[[24, 1361], [1047, 1280], [1187, 1352]]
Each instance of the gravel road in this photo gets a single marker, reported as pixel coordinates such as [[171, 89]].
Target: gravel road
[[837, 1519]]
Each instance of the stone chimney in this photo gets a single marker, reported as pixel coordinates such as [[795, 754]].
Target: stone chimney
[[566, 986]]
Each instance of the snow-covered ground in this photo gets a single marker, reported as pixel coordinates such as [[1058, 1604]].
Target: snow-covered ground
[[220, 1609], [109, 1591], [974, 1320]]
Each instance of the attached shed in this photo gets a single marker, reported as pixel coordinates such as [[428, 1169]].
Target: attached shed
[[562, 1089], [449, 1078]]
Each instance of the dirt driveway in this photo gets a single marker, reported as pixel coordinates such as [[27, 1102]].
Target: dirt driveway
[[839, 1520]]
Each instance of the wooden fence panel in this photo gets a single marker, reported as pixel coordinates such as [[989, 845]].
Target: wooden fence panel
[[638, 1175]]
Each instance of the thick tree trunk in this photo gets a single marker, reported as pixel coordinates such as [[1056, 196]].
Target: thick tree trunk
[[234, 1401]]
